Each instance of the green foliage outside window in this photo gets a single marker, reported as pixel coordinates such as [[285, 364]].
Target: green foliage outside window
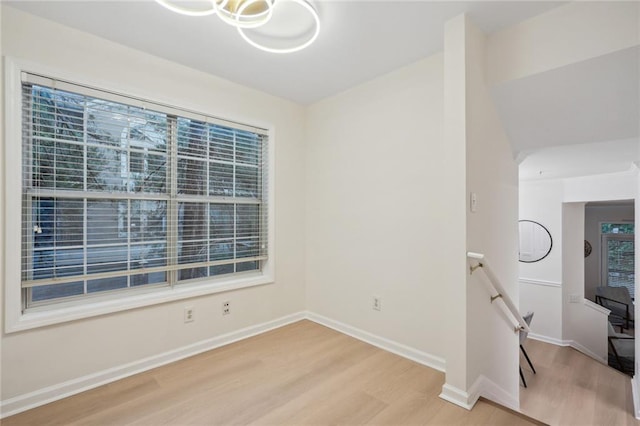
[[617, 228]]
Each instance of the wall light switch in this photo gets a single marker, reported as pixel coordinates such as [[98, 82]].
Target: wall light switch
[[473, 202]]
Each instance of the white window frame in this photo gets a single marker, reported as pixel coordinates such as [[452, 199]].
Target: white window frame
[[604, 238], [15, 318]]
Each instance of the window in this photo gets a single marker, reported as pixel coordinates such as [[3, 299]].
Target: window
[[120, 195], [618, 255], [616, 228]]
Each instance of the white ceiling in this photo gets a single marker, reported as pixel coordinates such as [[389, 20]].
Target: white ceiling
[[595, 100], [580, 160], [578, 120], [359, 39]]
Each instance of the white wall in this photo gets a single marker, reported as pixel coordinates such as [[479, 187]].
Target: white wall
[[540, 282], [375, 223], [42, 357], [565, 35], [584, 324], [545, 301], [386, 212], [605, 187], [541, 201], [594, 215], [455, 202], [474, 132], [492, 174]]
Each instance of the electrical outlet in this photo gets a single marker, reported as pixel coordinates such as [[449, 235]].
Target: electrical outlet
[[377, 303], [226, 308], [189, 314]]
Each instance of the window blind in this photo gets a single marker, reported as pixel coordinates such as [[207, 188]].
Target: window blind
[[120, 193]]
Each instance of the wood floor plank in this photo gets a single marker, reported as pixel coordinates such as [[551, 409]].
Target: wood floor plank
[[571, 388], [300, 374]]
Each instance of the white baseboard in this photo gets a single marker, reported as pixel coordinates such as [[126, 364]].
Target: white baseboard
[[404, 351], [71, 387], [577, 346], [482, 387], [547, 339], [490, 390], [572, 343], [459, 397], [475, 390]]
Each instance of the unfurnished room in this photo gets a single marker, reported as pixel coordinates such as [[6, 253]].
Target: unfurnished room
[[319, 212]]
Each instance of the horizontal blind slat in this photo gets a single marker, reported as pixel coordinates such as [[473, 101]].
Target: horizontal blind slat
[[66, 280], [33, 78], [95, 160]]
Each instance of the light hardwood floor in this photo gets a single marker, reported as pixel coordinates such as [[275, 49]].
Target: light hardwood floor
[[572, 389], [302, 374]]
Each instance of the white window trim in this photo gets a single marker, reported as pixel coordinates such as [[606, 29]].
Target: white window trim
[[604, 261], [15, 319]]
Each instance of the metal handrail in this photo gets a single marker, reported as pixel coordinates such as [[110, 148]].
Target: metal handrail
[[497, 290]]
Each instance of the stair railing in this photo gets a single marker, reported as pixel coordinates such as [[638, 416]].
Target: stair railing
[[497, 291]]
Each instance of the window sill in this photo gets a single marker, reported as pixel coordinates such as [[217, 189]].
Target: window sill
[[41, 317]]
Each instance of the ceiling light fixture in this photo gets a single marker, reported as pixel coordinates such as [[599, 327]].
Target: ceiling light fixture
[[258, 13], [172, 6], [301, 46], [246, 14]]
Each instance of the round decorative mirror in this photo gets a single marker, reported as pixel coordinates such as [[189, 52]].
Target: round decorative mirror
[[535, 241]]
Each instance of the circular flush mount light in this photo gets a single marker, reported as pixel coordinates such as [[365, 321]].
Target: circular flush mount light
[[252, 14], [246, 13], [173, 6], [291, 49]]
